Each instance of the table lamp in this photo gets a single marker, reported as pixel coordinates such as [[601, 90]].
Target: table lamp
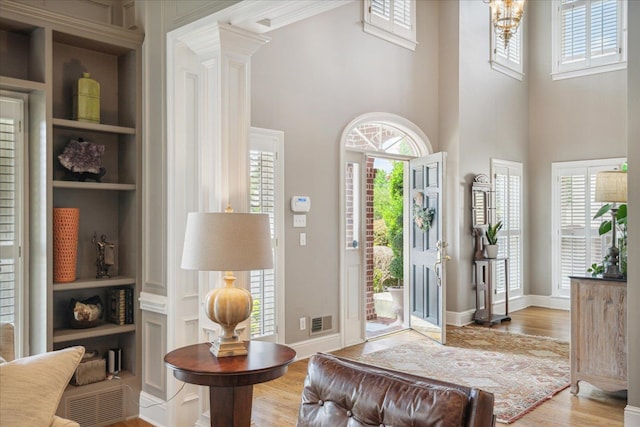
[[227, 242], [611, 187]]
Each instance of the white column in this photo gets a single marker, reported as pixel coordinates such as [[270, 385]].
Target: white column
[[208, 118]]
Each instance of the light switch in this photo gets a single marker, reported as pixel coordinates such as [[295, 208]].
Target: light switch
[[299, 221], [303, 239]]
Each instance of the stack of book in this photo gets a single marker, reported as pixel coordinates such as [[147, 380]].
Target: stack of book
[[120, 306]]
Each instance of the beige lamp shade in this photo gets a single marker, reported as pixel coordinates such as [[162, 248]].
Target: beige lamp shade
[[611, 186], [227, 242]]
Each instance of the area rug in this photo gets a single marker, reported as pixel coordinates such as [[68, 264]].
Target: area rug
[[522, 371]]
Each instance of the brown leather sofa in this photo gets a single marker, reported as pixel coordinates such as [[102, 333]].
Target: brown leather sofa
[[339, 392]]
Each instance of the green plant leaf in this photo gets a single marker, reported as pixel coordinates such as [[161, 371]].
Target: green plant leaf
[[622, 212], [605, 227], [603, 210]]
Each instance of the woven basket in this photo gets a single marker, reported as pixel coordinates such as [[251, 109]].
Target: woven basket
[[65, 243]]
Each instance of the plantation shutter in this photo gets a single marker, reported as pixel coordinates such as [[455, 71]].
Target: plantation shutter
[[590, 33], [573, 236], [262, 282], [579, 243], [512, 55], [381, 9], [396, 17], [9, 221], [402, 13], [507, 178]]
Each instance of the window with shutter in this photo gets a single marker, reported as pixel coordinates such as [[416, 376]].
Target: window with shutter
[[12, 215], [508, 59], [589, 36], [577, 243], [266, 177], [507, 178], [391, 20]]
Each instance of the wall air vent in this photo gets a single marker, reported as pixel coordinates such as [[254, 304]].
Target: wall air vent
[[321, 324], [96, 409]]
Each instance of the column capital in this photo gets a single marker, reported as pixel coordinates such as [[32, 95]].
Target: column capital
[[214, 39]]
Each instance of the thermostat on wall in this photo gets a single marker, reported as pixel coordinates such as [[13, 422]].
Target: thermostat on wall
[[300, 203]]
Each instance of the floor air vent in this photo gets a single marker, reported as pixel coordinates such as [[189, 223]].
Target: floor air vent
[[321, 324], [93, 410]]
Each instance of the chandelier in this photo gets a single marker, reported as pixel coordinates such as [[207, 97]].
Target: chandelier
[[506, 16]]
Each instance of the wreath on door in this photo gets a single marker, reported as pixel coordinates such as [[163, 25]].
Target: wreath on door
[[422, 217]]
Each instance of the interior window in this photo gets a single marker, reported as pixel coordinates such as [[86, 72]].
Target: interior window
[[507, 177], [577, 242], [12, 215], [508, 58], [391, 20], [265, 196], [589, 36]]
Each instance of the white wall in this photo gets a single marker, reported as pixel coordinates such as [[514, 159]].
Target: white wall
[[488, 119], [572, 119], [311, 80]]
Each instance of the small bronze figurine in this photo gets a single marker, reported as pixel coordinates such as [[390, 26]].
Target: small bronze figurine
[[105, 252]]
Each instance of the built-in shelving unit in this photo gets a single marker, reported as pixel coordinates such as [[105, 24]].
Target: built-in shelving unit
[[43, 55]]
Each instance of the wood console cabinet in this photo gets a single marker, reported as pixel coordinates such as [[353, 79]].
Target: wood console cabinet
[[599, 333]]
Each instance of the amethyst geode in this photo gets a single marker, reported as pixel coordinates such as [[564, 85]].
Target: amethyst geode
[[83, 160]]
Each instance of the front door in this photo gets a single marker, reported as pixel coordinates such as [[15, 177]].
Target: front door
[[427, 249]]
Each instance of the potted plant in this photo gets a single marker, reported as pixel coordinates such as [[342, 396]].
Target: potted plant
[[492, 239], [605, 227]]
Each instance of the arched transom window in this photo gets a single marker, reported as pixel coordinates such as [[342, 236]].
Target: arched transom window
[[381, 137]]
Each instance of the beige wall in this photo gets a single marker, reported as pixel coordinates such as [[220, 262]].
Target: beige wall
[[572, 119], [493, 124], [633, 284], [311, 80]]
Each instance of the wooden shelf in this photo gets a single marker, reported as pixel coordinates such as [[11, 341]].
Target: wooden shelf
[[66, 335], [19, 85], [77, 185], [95, 127], [90, 283]]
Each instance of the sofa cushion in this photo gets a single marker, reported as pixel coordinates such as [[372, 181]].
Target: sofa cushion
[[343, 393], [32, 386]]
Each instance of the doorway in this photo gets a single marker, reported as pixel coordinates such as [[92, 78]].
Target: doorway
[[374, 299]]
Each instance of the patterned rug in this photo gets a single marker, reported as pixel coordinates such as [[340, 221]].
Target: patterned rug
[[522, 371]]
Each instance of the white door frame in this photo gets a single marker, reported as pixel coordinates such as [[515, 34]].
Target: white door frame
[[424, 148]]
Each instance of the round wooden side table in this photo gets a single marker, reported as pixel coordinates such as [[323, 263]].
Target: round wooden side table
[[230, 379]]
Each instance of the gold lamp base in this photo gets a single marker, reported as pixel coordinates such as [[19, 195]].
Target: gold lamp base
[[228, 306], [229, 348]]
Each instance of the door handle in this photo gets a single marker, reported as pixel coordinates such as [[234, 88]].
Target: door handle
[[441, 246]]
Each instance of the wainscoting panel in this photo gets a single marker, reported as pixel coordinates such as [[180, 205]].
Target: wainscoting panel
[[155, 347]]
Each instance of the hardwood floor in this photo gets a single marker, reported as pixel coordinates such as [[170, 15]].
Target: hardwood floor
[[276, 403]]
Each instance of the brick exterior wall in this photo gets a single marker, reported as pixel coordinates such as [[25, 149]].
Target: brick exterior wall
[[370, 177]]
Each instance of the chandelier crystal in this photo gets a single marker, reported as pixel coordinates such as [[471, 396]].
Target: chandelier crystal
[[506, 16]]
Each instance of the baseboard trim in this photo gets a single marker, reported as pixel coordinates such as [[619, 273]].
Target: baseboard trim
[[153, 409], [460, 318], [310, 347], [516, 303], [631, 416]]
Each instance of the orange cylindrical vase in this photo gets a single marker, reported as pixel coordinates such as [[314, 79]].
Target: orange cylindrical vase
[[65, 243]]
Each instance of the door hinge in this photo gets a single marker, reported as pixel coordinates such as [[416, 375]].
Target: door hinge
[[19, 251], [20, 126]]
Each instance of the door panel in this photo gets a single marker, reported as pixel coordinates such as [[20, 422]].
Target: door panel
[[427, 251], [354, 323]]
